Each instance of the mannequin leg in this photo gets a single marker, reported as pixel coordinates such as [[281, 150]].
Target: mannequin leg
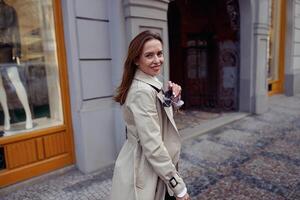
[[13, 75], [3, 101]]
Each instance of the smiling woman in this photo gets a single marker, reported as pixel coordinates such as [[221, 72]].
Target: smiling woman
[[146, 166], [151, 60]]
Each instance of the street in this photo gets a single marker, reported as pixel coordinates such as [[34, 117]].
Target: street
[[256, 157]]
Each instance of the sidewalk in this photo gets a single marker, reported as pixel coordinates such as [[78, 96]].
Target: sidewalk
[[256, 157]]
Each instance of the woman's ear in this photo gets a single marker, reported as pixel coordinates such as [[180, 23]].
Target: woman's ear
[[136, 61]]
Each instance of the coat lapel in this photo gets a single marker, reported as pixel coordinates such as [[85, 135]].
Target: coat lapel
[[168, 110]]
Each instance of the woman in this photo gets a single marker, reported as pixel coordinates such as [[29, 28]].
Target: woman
[[145, 168]]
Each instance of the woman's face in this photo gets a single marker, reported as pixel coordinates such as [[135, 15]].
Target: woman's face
[[151, 59]]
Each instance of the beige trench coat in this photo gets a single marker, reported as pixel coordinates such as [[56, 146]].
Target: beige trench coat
[[147, 160]]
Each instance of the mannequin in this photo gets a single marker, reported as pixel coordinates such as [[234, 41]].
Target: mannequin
[[10, 51]]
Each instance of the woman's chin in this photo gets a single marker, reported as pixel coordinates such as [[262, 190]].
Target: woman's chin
[[156, 71]]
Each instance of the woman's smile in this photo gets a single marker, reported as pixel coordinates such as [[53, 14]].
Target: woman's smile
[[156, 67]]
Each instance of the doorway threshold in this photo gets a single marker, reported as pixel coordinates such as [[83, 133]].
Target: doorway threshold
[[192, 123]]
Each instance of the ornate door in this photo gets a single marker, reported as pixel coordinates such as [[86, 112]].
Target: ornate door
[[200, 79], [204, 52]]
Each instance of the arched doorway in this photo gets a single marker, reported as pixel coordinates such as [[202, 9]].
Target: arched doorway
[[204, 39]]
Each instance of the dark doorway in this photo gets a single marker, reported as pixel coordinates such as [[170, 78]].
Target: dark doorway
[[204, 52]]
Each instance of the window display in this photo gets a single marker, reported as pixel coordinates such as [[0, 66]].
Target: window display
[[29, 81]]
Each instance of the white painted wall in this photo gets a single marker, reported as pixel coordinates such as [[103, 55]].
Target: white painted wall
[[292, 48], [246, 102], [118, 54], [87, 36]]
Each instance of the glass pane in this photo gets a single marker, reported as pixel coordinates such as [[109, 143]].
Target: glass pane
[[274, 35], [29, 82]]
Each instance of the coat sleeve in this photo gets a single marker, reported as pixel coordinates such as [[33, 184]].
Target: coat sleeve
[[149, 131]]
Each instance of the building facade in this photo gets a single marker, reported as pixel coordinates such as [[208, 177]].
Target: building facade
[[227, 54]]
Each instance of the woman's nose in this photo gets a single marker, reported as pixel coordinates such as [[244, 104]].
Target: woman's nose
[[156, 59]]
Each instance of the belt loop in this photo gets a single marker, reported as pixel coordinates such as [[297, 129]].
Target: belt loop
[[126, 132]]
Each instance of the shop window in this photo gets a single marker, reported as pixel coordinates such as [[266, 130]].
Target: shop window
[[276, 46], [30, 93], [274, 37]]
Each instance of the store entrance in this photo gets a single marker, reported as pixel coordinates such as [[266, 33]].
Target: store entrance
[[204, 52]]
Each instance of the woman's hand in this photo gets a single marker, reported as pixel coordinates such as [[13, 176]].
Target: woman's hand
[[185, 197], [175, 88]]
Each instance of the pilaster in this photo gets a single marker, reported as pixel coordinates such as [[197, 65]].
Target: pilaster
[[261, 40], [143, 15]]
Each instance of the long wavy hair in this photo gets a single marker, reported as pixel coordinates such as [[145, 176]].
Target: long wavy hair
[[134, 52]]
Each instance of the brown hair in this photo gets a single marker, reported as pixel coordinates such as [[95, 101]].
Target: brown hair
[[134, 51]]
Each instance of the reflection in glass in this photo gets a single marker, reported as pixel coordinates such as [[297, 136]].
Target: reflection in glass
[[29, 81]]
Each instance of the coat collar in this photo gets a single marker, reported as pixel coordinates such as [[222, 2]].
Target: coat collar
[[151, 80]]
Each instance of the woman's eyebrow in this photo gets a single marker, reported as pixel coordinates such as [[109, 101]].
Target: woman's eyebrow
[[147, 52]]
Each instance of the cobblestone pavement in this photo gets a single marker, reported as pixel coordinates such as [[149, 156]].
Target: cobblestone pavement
[[257, 157], [192, 118]]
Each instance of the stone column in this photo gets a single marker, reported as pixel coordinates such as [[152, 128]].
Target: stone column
[[260, 57]]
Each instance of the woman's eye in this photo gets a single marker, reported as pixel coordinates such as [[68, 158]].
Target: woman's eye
[[149, 55], [160, 54]]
